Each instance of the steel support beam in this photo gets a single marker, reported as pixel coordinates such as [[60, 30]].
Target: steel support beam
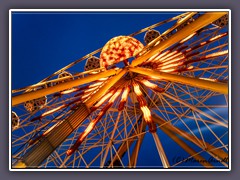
[[195, 82], [62, 86], [199, 23], [169, 128], [34, 157], [57, 136], [124, 146], [161, 151], [174, 136], [196, 109]]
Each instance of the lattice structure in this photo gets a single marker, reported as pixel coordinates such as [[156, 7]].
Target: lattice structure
[[172, 94]]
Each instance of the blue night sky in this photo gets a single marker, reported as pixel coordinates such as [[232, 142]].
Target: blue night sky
[[43, 43]]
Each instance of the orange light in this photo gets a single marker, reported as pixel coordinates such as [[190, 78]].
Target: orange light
[[203, 43], [53, 110], [125, 93], [174, 56], [87, 130], [91, 89], [146, 113], [69, 91], [89, 94], [137, 89], [170, 66], [51, 128], [190, 68], [168, 70], [218, 36], [103, 79], [115, 95], [95, 84], [161, 55], [187, 38], [221, 53], [148, 84], [103, 99], [153, 57], [168, 55], [208, 79]]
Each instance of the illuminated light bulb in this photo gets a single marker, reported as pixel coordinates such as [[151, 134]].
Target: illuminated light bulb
[[187, 38], [148, 119], [221, 53], [115, 95], [69, 91], [203, 43], [172, 57], [91, 89], [161, 55], [218, 36], [153, 57], [152, 85], [136, 89], [53, 110], [95, 84], [190, 67], [188, 50], [168, 70], [102, 100], [124, 98], [165, 57], [148, 84], [208, 79], [170, 66], [172, 61], [103, 79], [146, 113]]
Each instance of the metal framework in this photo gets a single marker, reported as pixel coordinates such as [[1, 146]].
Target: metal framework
[[167, 89]]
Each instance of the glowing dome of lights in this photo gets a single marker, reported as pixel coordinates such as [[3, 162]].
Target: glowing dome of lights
[[118, 49]]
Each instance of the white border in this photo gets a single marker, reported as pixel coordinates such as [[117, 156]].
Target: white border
[[114, 10]]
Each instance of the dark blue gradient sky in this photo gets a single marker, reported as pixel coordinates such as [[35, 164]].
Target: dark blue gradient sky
[[42, 43]]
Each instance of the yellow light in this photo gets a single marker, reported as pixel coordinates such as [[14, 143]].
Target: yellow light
[[174, 56], [115, 95], [168, 70], [208, 79], [187, 38], [137, 89], [125, 94], [149, 84], [51, 128], [172, 61], [161, 55], [153, 57], [165, 57], [87, 130], [203, 43], [146, 113], [90, 90], [170, 66], [95, 84], [53, 110], [69, 91], [217, 37], [217, 54], [103, 99]]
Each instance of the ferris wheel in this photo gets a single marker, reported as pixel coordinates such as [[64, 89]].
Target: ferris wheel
[[163, 98]]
